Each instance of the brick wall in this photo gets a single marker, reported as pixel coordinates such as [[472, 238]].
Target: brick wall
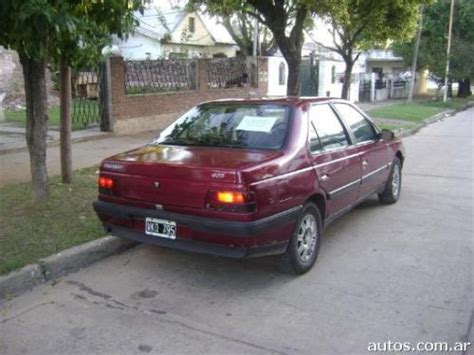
[[135, 113]]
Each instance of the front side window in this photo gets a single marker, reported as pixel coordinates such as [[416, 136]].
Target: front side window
[[328, 127], [359, 125], [251, 126], [313, 140]]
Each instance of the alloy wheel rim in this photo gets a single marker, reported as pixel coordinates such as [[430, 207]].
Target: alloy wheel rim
[[307, 236], [396, 180]]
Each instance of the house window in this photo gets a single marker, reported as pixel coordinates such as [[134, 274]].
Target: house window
[[192, 24], [282, 74], [333, 74]]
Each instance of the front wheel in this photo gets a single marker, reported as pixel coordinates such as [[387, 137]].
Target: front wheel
[[391, 193], [303, 247]]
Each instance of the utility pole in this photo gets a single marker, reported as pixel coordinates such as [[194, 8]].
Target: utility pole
[[445, 97], [415, 56]]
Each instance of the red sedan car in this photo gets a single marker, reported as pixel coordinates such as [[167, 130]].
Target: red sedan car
[[244, 178]]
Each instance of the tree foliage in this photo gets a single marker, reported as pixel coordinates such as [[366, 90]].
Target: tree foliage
[[356, 25], [57, 28], [46, 31], [434, 39]]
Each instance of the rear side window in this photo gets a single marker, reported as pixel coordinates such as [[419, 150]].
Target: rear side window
[[362, 129], [328, 128]]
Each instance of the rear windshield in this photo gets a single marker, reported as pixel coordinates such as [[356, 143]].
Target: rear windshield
[[230, 125]]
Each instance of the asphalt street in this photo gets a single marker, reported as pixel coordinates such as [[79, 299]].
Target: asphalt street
[[384, 273]]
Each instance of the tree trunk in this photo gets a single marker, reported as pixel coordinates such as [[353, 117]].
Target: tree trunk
[[34, 74], [464, 87], [65, 123], [346, 85], [276, 18], [293, 82], [450, 88]]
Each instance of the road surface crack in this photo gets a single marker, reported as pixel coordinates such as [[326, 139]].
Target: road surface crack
[[32, 308], [163, 316]]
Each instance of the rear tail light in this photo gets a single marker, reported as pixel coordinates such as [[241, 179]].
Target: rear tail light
[[230, 197], [105, 184], [230, 201]]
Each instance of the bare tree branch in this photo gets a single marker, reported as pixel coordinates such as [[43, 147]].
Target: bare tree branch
[[257, 16], [357, 56], [334, 40], [332, 49], [340, 33]]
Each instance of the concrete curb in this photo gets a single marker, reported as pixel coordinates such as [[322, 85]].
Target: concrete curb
[[63, 263], [438, 117], [20, 281]]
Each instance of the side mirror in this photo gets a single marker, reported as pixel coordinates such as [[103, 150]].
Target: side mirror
[[387, 135]]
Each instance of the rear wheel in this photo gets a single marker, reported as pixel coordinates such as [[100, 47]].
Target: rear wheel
[[391, 193], [303, 247]]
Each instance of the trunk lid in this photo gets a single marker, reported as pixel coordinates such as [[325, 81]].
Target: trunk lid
[[178, 175]]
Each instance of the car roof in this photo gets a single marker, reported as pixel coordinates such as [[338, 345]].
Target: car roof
[[288, 100]]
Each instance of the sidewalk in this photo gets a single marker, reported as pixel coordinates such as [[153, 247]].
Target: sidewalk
[[15, 166], [12, 136]]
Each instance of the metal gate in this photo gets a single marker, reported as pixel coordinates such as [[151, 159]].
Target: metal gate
[[89, 97], [364, 90], [309, 77]]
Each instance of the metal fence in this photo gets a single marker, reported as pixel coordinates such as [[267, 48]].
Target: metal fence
[[86, 103], [399, 84], [364, 90], [381, 83], [399, 89], [224, 73], [151, 76], [309, 74]]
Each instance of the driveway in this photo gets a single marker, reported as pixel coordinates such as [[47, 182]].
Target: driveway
[[385, 273]]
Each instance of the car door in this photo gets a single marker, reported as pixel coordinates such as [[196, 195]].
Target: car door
[[375, 163], [336, 161]]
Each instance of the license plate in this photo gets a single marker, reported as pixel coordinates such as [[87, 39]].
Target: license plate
[[160, 228]]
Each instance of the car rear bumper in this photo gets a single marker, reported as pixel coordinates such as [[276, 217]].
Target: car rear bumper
[[239, 239]]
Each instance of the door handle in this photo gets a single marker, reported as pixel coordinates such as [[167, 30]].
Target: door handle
[[325, 177], [365, 163]]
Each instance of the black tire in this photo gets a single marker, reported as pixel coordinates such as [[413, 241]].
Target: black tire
[[391, 193], [292, 261]]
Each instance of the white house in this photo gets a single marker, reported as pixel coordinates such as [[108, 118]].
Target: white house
[[171, 33]]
